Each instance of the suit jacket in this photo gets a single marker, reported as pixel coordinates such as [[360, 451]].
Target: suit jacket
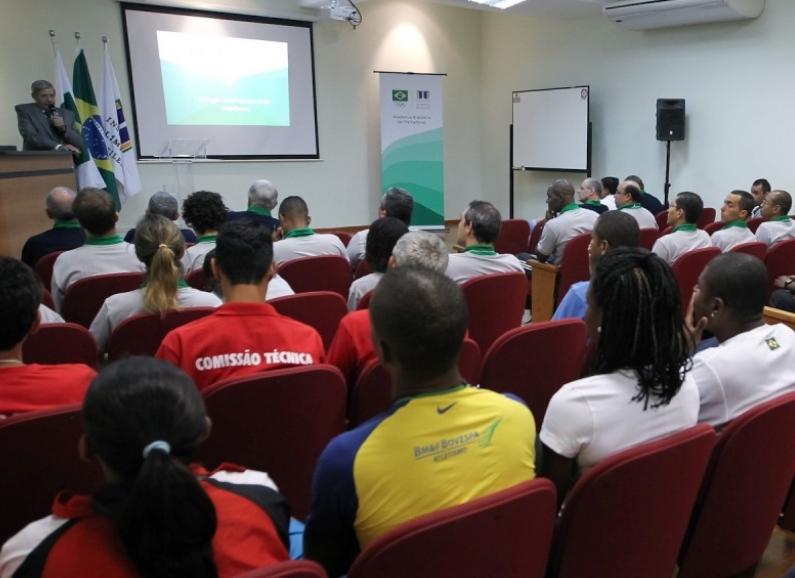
[[51, 241], [37, 132]]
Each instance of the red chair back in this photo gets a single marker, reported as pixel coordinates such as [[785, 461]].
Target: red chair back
[[755, 248], [750, 474], [343, 236], [513, 529], [54, 343], [687, 268], [513, 237], [574, 266], [364, 302], [648, 237], [780, 260], [706, 217], [666, 231], [754, 222], [662, 219], [535, 236], [196, 279], [535, 360], [362, 269], [290, 569], [713, 226], [324, 273], [322, 310], [39, 450], [44, 267], [278, 422], [627, 515], [84, 298], [496, 304], [142, 334]]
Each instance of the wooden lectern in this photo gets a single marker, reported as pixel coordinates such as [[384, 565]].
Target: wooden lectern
[[25, 179]]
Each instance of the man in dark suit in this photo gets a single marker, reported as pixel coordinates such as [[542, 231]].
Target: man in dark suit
[[262, 199], [647, 200], [66, 233], [45, 127]]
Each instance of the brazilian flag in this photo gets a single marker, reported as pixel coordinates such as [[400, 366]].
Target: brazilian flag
[[93, 131]]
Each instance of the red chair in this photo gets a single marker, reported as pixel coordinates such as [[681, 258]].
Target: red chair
[[496, 304], [290, 569], [40, 453], [372, 393], [506, 534], [687, 269], [574, 265], [706, 217], [780, 260], [362, 269], [343, 236], [44, 267], [666, 231], [535, 236], [627, 515], [196, 279], [749, 476], [322, 310], [714, 226], [513, 237], [648, 237], [535, 360], [325, 273], [54, 343], [142, 334], [84, 298], [662, 219], [754, 222], [278, 422], [755, 248], [364, 302]]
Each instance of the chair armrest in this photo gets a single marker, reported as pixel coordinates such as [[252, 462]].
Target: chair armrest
[[545, 279], [772, 315]]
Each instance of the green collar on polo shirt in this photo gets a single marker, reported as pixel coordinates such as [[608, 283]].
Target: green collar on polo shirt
[[62, 224], [569, 207], [685, 227], [629, 206], [302, 232], [736, 223], [207, 238], [484, 249], [781, 218], [111, 240], [260, 211]]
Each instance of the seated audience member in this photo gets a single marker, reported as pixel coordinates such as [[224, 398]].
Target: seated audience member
[[685, 236], [609, 188], [390, 469], [649, 201], [565, 219], [640, 388], [734, 214], [245, 335], [160, 246], [65, 234], [262, 199], [277, 287], [478, 228], [104, 251], [47, 315], [590, 195], [784, 296], [612, 230], [30, 387], [777, 226], [299, 239], [628, 197], [759, 191], [165, 204], [381, 239], [352, 348], [754, 361], [157, 513], [396, 203], [205, 212]]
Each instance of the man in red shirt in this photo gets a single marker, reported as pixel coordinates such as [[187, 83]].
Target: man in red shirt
[[30, 387], [245, 335]]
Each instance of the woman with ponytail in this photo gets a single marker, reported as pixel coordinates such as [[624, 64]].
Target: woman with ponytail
[[157, 515], [159, 245]]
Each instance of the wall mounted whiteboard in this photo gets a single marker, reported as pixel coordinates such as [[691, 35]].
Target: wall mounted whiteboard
[[550, 129]]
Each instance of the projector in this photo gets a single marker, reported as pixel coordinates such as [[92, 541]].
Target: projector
[[336, 12]]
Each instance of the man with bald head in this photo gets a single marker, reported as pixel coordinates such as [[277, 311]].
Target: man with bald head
[[565, 219], [777, 226], [65, 234], [590, 194], [628, 199], [262, 199]]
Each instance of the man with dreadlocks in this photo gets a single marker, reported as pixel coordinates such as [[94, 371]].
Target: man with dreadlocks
[[639, 388]]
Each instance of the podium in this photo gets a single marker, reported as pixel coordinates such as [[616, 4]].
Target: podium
[[25, 179]]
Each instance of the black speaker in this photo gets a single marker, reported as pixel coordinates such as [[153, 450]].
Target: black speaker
[[670, 119]]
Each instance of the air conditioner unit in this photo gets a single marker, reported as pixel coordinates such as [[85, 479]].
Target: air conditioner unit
[[645, 14]]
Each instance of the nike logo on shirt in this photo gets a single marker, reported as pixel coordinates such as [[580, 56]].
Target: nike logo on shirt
[[441, 410]]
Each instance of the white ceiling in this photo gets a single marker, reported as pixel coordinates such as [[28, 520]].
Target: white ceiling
[[557, 8]]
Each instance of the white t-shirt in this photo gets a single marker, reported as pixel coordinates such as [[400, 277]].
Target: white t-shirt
[[743, 371], [356, 247], [194, 256], [772, 232], [461, 267], [361, 287], [673, 245], [610, 202], [47, 315], [312, 245], [643, 216], [725, 239], [559, 230], [595, 417], [278, 287]]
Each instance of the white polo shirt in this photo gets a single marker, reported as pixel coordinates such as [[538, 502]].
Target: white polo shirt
[[361, 287], [682, 239], [643, 216], [776, 230], [356, 247], [744, 371], [478, 260], [278, 287], [306, 243], [595, 417], [572, 221], [99, 256], [194, 256], [732, 234], [47, 315], [610, 202]]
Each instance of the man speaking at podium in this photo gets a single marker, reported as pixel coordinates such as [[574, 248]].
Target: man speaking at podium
[[45, 127]]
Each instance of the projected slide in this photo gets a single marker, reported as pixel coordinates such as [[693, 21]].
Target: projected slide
[[222, 80]]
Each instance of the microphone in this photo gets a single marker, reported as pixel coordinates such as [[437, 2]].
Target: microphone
[[50, 111]]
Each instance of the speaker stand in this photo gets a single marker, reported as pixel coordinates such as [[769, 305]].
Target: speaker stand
[[667, 171]]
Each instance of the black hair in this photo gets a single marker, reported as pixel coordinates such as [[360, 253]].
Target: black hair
[[611, 184], [642, 326], [20, 296], [764, 183], [294, 206], [691, 204], [244, 251], [381, 239], [636, 179], [95, 210], [204, 211], [211, 285], [485, 219], [398, 203], [618, 229], [783, 199], [422, 316], [165, 520], [633, 192], [740, 281], [746, 203]]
